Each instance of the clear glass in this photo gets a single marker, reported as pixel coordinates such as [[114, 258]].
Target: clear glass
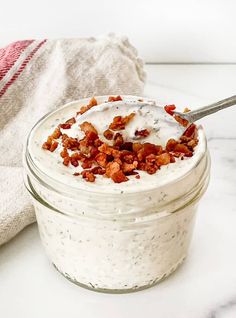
[[116, 242]]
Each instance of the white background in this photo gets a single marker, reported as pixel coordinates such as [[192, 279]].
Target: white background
[[170, 31]]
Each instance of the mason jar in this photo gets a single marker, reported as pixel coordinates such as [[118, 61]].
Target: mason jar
[[119, 241]]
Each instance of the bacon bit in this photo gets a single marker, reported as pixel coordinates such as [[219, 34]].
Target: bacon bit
[[172, 158], [192, 143], [118, 140], [66, 161], [137, 176], [83, 109], [128, 157], [64, 153], [76, 174], [128, 167], [101, 159], [170, 109], [127, 146], [93, 102], [146, 149], [97, 143], [57, 133], [142, 133], [136, 147], [120, 122], [76, 156], [171, 143], [65, 126], [109, 150], [190, 131], [88, 176], [53, 146], [87, 164], [181, 148], [46, 146], [50, 144], [70, 143], [119, 177], [88, 127], [150, 168], [181, 121], [71, 121], [108, 134], [118, 161], [74, 162], [163, 159], [111, 168], [151, 158], [98, 170], [114, 98]]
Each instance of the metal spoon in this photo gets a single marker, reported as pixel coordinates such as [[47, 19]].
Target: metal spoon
[[199, 113]]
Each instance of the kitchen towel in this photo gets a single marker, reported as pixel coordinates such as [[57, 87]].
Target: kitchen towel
[[35, 78]]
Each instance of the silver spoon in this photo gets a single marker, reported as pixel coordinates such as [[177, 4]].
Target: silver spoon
[[199, 113]]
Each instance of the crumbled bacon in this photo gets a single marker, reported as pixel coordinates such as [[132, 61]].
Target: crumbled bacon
[[120, 122], [87, 127], [70, 143], [114, 98], [122, 158], [101, 159], [66, 161], [142, 133], [53, 146], [68, 123], [64, 153], [74, 162], [163, 159], [190, 131], [83, 109], [65, 126], [171, 143], [108, 134], [57, 133], [118, 140], [181, 121], [128, 167], [170, 109], [119, 177], [50, 144], [87, 164], [88, 175], [98, 170], [111, 168]]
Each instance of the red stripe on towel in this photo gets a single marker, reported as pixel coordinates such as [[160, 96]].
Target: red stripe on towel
[[10, 54], [21, 68]]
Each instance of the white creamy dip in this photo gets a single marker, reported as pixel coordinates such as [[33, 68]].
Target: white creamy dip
[[111, 236], [161, 125]]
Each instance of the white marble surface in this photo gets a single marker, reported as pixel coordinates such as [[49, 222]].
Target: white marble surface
[[205, 286]]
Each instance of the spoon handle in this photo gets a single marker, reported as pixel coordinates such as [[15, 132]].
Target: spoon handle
[[199, 113]]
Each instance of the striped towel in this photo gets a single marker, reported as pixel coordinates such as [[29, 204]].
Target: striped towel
[[37, 76]]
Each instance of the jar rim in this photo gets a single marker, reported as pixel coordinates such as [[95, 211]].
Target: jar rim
[[59, 186]]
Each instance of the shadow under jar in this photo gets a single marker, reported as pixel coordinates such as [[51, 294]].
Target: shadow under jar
[[119, 241]]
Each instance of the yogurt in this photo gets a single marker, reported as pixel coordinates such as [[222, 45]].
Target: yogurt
[[115, 236]]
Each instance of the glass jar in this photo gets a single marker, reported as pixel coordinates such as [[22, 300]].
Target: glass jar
[[116, 242]]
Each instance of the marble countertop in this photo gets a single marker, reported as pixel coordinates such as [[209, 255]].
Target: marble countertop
[[205, 286]]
